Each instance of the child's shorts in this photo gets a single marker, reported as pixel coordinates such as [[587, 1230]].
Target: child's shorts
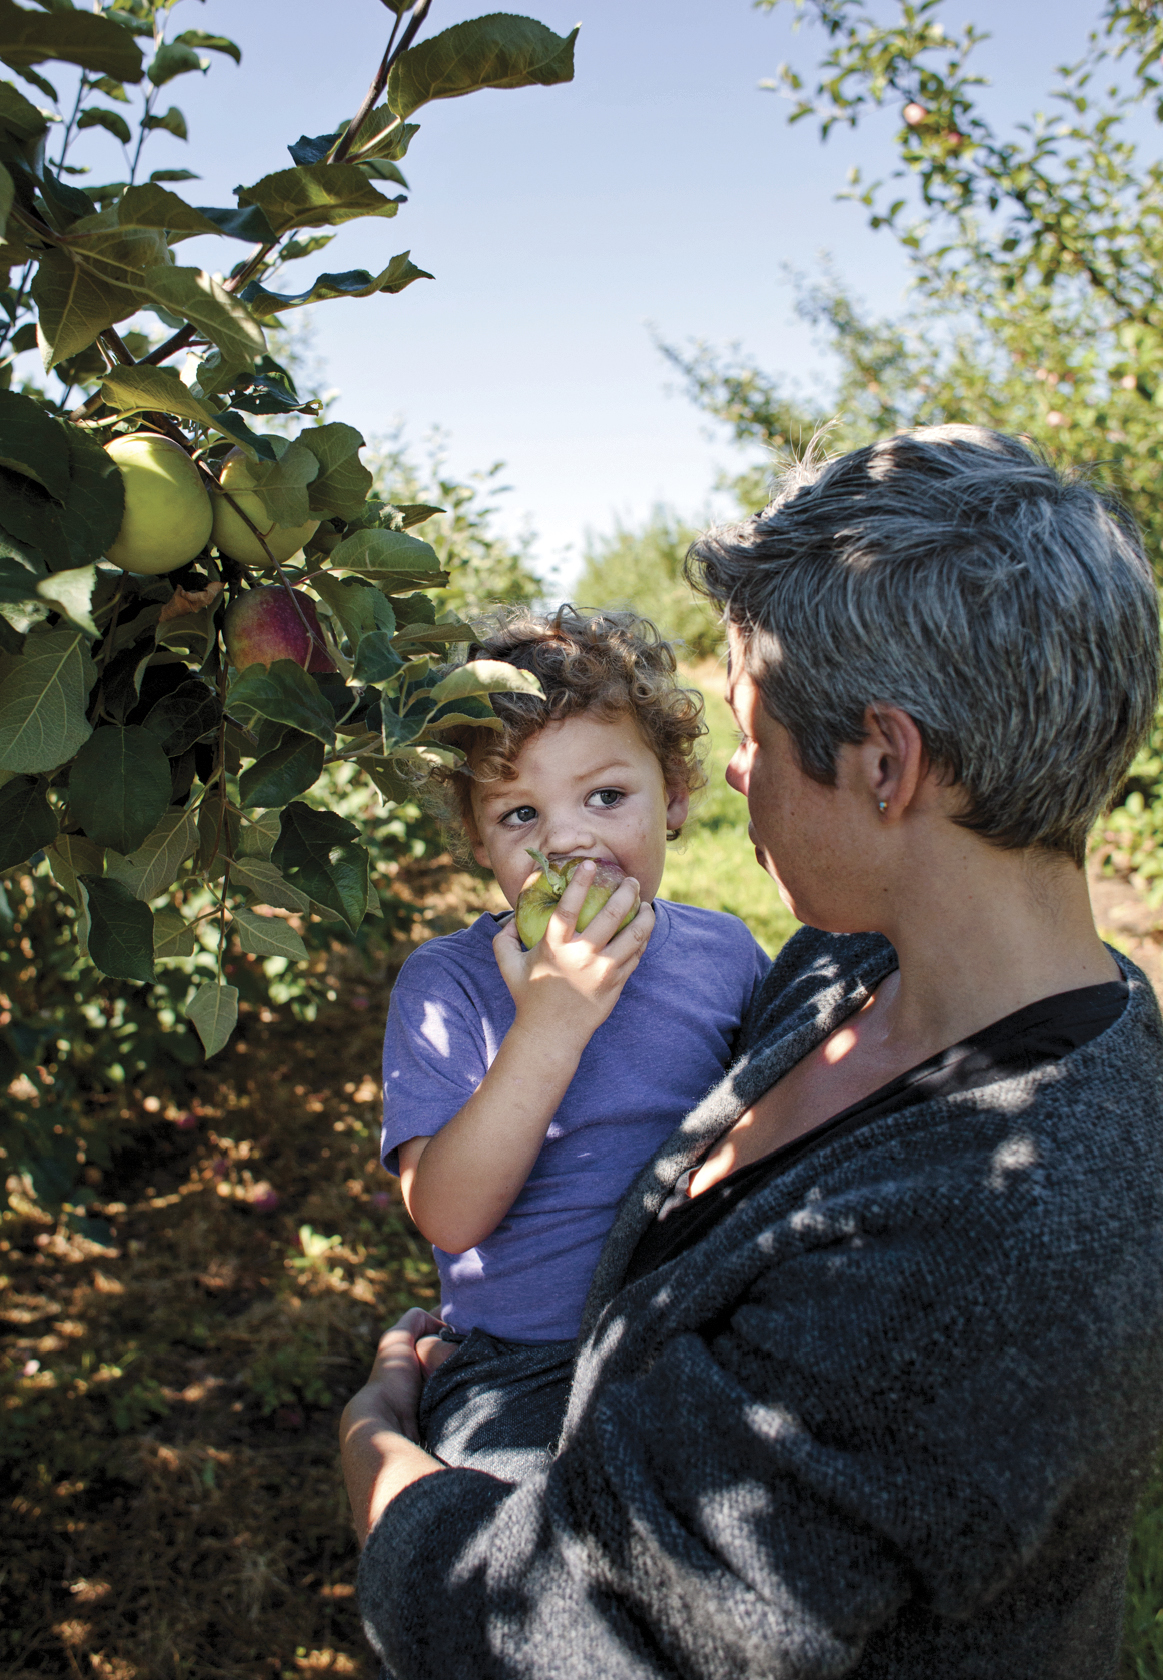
[[497, 1406]]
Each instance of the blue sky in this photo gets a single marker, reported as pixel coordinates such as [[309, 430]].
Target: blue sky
[[661, 187]]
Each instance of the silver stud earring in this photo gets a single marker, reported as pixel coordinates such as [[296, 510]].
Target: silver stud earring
[[883, 805]]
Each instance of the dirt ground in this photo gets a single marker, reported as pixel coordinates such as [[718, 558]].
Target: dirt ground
[[171, 1503]]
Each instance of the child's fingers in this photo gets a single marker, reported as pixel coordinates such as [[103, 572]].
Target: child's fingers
[[614, 911], [563, 922], [627, 947]]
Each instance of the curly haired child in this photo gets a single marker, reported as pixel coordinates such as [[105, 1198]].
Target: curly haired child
[[524, 1090]]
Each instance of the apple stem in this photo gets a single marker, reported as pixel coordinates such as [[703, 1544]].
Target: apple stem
[[555, 881]]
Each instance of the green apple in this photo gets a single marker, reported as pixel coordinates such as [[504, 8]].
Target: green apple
[[167, 511], [539, 898], [234, 537]]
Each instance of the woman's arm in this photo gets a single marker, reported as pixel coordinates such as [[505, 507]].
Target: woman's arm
[[378, 1433], [460, 1183]]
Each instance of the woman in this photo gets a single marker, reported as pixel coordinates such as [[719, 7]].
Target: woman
[[873, 1361]]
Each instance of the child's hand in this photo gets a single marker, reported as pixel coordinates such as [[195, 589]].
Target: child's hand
[[569, 982]]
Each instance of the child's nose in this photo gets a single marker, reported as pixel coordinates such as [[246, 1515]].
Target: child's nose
[[569, 833]]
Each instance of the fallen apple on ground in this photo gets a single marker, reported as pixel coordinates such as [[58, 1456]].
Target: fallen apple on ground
[[233, 536], [539, 898], [262, 625], [167, 515]]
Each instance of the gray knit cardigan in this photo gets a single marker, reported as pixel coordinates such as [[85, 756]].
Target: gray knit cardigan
[[889, 1418]]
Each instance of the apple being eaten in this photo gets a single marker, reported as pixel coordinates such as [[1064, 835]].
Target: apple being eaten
[[262, 625], [167, 515], [233, 536], [539, 898]]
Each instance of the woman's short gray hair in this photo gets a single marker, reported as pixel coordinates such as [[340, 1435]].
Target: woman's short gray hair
[[950, 571]]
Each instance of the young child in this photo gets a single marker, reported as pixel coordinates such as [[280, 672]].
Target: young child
[[524, 1090]]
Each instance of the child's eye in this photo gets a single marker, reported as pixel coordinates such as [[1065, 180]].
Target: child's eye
[[518, 815], [606, 797]]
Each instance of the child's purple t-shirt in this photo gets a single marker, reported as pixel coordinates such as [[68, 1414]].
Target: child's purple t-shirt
[[669, 1038]]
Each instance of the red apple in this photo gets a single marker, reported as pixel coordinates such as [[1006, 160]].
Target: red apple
[[914, 114], [539, 897], [261, 625]]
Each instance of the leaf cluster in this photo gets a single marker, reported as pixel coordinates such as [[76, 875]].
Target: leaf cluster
[[165, 785]]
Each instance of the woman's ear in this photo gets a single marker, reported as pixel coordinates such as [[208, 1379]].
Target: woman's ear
[[678, 807], [893, 761]]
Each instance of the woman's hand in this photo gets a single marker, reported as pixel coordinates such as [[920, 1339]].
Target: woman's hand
[[378, 1429]]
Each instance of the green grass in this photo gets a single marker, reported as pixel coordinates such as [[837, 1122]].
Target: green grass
[[1143, 1642], [714, 865]]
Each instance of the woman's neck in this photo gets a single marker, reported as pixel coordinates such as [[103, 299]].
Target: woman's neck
[[981, 933]]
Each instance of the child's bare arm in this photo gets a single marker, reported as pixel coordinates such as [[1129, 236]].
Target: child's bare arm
[[459, 1184]]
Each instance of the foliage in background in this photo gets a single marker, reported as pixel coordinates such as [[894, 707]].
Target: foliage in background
[[153, 759], [486, 569], [642, 569], [1038, 269]]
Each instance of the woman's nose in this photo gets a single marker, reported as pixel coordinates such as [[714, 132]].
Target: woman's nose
[[736, 773]]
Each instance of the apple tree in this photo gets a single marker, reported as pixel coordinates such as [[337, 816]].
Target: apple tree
[[203, 604]]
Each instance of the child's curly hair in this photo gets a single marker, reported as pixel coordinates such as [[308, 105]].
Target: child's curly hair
[[610, 663]]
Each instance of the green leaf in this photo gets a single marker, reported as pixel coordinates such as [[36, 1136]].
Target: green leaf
[[318, 195], [281, 485], [499, 51], [70, 593], [71, 856], [190, 634], [150, 869], [268, 936], [282, 775], [477, 720], [199, 299], [27, 821], [111, 89], [209, 43], [43, 695], [151, 206], [119, 786], [96, 116], [343, 482], [7, 199], [484, 676], [75, 37], [249, 224], [120, 932], [376, 660], [340, 883], [353, 283], [213, 1012], [95, 504], [267, 885], [174, 58], [172, 936], [173, 122], [389, 556], [34, 444], [19, 116], [284, 694], [176, 175], [259, 835], [189, 713], [131, 390], [305, 832], [74, 304], [359, 607]]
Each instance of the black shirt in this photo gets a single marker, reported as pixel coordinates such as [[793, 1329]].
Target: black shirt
[[1041, 1032]]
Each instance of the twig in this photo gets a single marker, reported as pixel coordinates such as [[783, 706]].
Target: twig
[[380, 80]]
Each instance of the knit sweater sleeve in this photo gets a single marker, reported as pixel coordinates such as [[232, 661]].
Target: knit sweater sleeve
[[864, 1401]]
